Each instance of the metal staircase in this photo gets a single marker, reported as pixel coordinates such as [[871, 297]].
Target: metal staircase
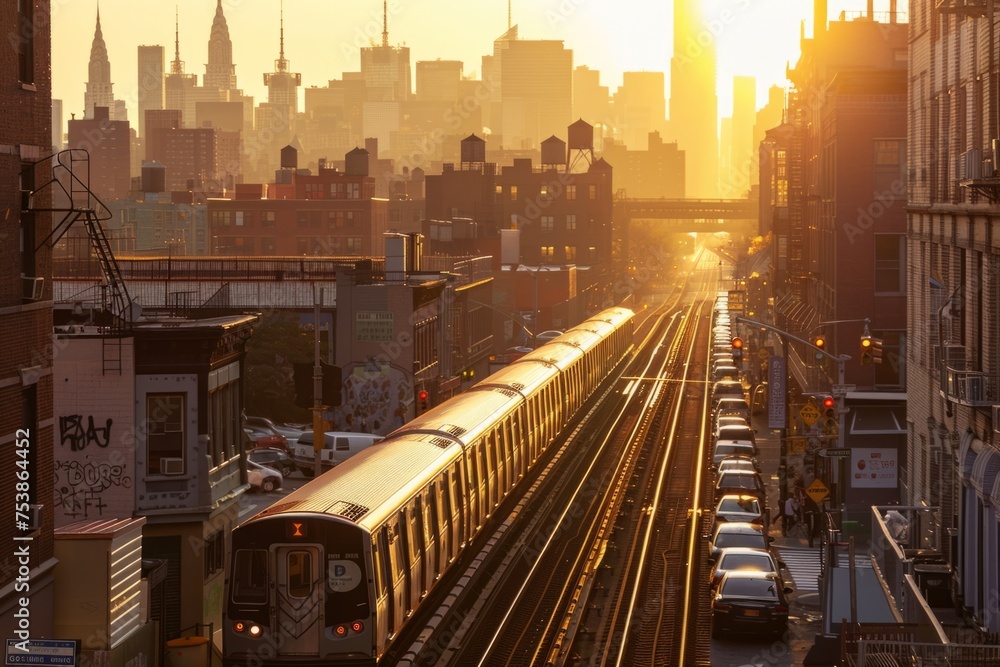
[[67, 193]]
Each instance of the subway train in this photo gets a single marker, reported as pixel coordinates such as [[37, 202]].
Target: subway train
[[333, 572]]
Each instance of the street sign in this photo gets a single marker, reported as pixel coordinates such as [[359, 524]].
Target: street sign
[[818, 491], [737, 299], [41, 652], [809, 414], [841, 389], [763, 353], [835, 452]]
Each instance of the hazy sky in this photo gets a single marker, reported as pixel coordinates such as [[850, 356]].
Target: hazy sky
[[757, 38]]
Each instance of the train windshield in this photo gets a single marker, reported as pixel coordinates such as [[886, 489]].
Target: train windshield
[[250, 576]]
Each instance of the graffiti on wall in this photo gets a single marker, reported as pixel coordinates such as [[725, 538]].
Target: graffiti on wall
[[80, 486], [374, 400], [73, 433]]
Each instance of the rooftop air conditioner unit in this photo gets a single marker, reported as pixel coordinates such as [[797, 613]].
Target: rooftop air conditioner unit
[[33, 287], [171, 466]]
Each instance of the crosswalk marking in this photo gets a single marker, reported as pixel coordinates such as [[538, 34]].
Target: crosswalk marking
[[804, 566]]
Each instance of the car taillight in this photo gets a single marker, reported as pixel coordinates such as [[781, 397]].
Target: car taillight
[[781, 609], [358, 626], [722, 606], [341, 630]]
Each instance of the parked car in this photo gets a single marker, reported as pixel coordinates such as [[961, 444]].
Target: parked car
[[750, 602], [737, 462], [727, 420], [273, 458], [262, 438], [739, 482], [737, 534], [262, 478], [290, 433], [337, 447], [732, 405], [736, 432], [744, 560], [724, 448], [739, 507]]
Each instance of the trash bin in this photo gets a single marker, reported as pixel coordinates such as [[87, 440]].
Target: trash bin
[[188, 652], [934, 582]]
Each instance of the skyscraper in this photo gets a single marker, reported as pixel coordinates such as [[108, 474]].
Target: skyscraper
[[99, 87], [742, 152], [178, 85], [150, 91], [220, 72], [694, 106], [386, 69]]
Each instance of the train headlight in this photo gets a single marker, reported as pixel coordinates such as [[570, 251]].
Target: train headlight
[[358, 626], [341, 631], [239, 626], [255, 630]]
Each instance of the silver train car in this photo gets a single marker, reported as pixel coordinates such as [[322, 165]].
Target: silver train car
[[331, 574]]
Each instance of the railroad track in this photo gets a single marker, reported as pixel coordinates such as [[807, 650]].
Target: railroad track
[[597, 559]]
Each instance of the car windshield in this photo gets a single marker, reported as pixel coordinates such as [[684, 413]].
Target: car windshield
[[738, 480], [756, 562], [755, 588], [752, 540], [739, 505], [729, 450]]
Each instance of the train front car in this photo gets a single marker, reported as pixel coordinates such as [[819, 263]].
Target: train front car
[[299, 590]]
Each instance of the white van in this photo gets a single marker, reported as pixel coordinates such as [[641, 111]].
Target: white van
[[338, 446]]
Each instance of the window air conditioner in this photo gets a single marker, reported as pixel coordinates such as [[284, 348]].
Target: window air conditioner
[[171, 466], [33, 287], [35, 516]]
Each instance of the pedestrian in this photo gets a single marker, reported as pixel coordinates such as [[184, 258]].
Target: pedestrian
[[791, 514]]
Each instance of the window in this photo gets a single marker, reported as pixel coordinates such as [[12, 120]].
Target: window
[[354, 191], [570, 251], [239, 218], [570, 192], [267, 219], [592, 191], [890, 254], [890, 168], [218, 219], [215, 549], [570, 222], [499, 189], [164, 433], [513, 193], [547, 252], [548, 223], [26, 41], [299, 574], [543, 190], [250, 576], [354, 245]]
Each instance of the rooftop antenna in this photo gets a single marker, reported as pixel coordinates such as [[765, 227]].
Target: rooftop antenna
[[385, 23], [508, 15], [281, 65], [177, 67]]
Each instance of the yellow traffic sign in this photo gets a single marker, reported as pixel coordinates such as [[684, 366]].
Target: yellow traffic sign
[[809, 414], [818, 491], [763, 353]]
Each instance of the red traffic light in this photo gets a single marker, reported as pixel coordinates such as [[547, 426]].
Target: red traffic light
[[829, 402], [422, 395]]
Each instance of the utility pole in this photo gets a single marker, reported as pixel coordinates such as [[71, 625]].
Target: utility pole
[[319, 436], [839, 393]]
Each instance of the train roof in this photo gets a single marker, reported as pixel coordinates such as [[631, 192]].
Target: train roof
[[465, 416], [373, 483]]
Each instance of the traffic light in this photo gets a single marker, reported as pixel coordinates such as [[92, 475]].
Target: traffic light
[[737, 349], [867, 355], [820, 342], [876, 350], [423, 399], [830, 419]]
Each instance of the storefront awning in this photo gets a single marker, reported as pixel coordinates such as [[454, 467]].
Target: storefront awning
[[984, 472]]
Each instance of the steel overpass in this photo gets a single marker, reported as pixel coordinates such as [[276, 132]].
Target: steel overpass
[[689, 215]]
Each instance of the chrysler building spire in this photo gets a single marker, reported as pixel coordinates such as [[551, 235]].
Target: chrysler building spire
[[220, 72]]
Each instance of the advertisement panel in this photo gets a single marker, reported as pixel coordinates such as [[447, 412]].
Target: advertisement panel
[[776, 392], [873, 468]]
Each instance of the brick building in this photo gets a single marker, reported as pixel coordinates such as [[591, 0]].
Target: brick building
[[108, 143], [26, 419]]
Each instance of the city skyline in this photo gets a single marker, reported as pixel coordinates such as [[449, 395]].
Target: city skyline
[[735, 29]]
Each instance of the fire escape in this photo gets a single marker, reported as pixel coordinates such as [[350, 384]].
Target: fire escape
[[67, 193]]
